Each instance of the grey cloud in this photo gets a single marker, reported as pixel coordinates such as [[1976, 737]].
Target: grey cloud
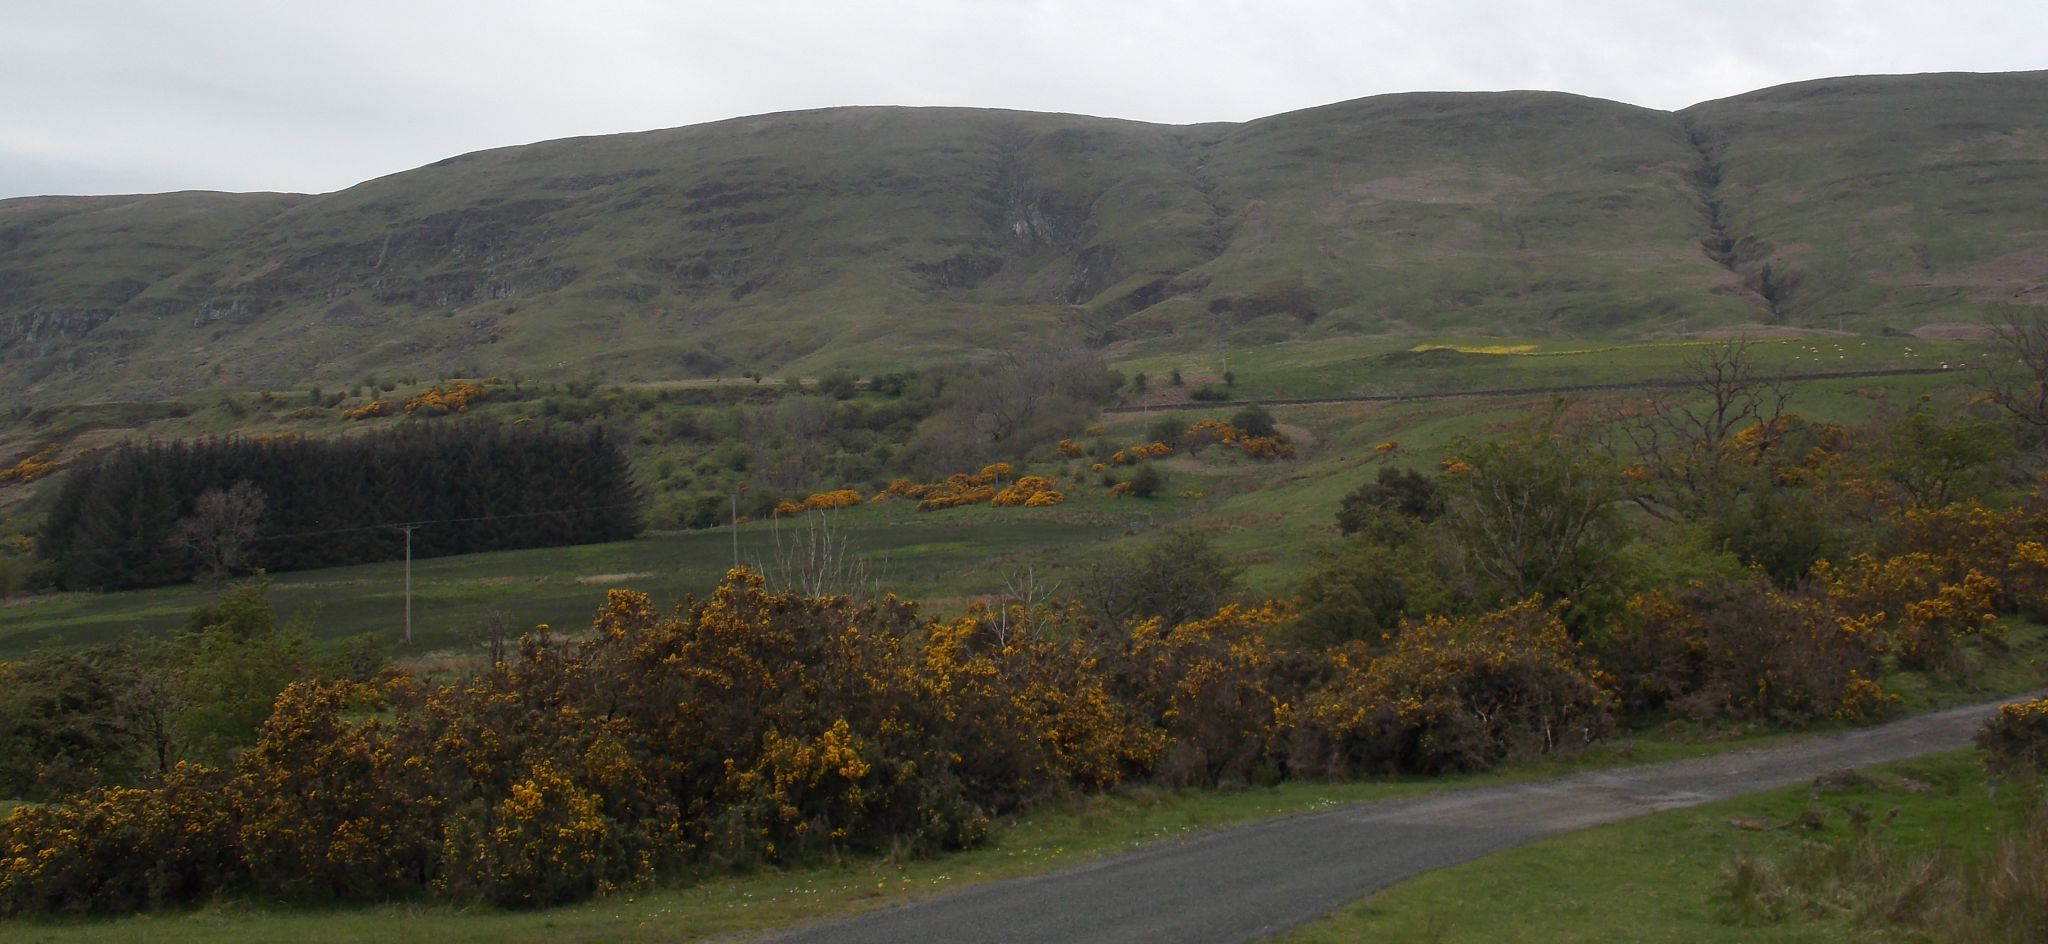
[[240, 94]]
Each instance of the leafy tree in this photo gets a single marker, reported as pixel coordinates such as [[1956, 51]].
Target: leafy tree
[[60, 728], [1254, 420], [1930, 463], [1781, 530], [1389, 567], [236, 658], [1173, 377], [1147, 481], [1166, 429], [20, 574], [839, 385], [1534, 514], [1404, 492], [1177, 578]]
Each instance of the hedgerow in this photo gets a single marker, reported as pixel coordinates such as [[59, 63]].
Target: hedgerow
[[762, 726]]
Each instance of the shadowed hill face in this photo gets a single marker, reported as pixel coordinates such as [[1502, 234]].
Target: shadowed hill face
[[873, 237], [70, 267]]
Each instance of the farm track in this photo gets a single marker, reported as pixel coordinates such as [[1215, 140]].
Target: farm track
[[1251, 882], [1506, 391]]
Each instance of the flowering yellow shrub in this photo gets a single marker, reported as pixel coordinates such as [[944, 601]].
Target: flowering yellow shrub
[[981, 488], [1219, 432], [33, 466], [547, 841], [1071, 449], [821, 501], [1035, 491], [1750, 651], [955, 498], [119, 849], [1217, 689], [1267, 448], [1457, 695], [2015, 741], [455, 397], [840, 498], [1934, 612], [807, 786], [318, 806], [366, 411]]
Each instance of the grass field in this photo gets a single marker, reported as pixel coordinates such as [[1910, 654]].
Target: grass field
[[1270, 518], [917, 555], [1659, 879], [1344, 366]]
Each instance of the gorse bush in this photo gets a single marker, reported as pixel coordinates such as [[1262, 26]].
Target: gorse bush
[[1216, 686], [1457, 695], [758, 726], [1748, 652], [752, 726], [2015, 741]]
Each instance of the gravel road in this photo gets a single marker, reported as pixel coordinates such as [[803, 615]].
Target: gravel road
[[1250, 882]]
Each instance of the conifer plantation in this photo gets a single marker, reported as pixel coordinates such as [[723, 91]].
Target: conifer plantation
[[150, 514]]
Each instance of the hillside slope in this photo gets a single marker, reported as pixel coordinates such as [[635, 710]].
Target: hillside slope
[[872, 237]]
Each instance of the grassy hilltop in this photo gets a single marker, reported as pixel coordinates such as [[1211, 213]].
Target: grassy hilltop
[[879, 237]]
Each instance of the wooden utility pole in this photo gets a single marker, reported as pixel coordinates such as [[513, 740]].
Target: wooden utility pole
[[408, 582]]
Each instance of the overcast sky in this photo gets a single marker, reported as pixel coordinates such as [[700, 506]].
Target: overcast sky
[[317, 95]]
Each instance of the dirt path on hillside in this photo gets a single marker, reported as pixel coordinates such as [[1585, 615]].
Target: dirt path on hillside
[[1251, 882]]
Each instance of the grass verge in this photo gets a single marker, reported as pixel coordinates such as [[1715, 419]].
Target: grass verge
[[1664, 878]]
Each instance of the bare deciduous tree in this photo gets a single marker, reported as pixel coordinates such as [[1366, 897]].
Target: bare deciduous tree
[[222, 525], [1682, 442], [1025, 600], [1016, 398], [817, 560], [2021, 387]]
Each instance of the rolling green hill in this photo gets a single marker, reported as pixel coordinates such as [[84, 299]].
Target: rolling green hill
[[872, 237]]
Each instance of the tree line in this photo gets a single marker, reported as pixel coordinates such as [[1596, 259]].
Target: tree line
[[149, 514]]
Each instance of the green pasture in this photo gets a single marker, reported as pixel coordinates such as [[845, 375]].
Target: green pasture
[[1349, 366], [917, 555], [1270, 517]]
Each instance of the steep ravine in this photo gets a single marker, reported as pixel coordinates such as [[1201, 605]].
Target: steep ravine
[[1746, 255]]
